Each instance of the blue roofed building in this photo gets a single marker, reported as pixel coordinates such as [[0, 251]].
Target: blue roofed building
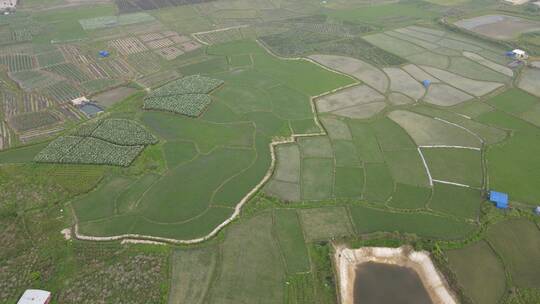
[[500, 199]]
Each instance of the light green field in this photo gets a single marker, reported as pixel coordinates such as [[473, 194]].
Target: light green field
[[479, 272], [291, 240], [192, 271], [379, 183], [518, 243], [513, 164], [251, 266], [409, 197], [368, 220], [325, 223], [462, 166], [456, 200]]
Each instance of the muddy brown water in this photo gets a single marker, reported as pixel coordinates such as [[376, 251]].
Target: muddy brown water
[[379, 283]]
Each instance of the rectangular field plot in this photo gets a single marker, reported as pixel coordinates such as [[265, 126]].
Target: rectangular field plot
[[479, 272], [514, 101], [325, 223], [345, 154], [391, 136], [130, 45], [315, 146], [349, 182], [169, 53], [455, 200], [518, 243], [192, 271], [288, 163], [291, 240], [249, 243], [69, 71], [17, 62], [368, 220], [409, 197], [463, 166], [513, 165], [379, 183], [365, 142], [317, 178], [50, 58], [407, 167], [31, 80], [62, 91], [32, 120], [394, 45]]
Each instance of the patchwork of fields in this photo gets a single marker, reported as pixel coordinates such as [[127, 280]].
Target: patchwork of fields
[[262, 134]]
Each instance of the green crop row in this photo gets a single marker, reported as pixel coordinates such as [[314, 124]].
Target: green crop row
[[124, 132], [195, 84], [188, 104], [80, 150]]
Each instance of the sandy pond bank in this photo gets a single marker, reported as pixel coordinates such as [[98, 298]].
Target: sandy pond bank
[[347, 259]]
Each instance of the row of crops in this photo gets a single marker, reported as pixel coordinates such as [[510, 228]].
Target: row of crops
[[187, 96], [118, 131], [17, 62], [87, 150], [110, 142]]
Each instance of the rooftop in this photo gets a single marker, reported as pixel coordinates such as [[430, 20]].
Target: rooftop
[[34, 296], [5, 4]]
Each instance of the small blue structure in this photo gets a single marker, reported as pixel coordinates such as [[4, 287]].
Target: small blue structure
[[91, 109], [426, 83], [499, 198], [509, 54], [104, 54], [537, 210]]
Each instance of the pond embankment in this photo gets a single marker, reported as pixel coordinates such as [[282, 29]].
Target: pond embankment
[[348, 260]]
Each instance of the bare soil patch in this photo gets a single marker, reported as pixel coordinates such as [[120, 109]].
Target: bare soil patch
[[367, 73], [530, 81], [444, 95], [108, 98], [426, 131], [403, 83], [475, 87], [490, 64], [362, 111], [349, 97], [399, 99]]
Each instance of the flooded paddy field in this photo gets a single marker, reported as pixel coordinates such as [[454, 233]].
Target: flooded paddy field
[[380, 283], [389, 275]]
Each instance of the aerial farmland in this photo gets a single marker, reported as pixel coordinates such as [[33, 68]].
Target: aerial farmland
[[296, 152]]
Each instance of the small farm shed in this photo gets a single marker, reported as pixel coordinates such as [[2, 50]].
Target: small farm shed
[[518, 54], [537, 210], [499, 198], [7, 5], [79, 101], [104, 53], [35, 296]]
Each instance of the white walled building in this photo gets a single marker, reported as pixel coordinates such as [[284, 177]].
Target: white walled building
[[7, 5]]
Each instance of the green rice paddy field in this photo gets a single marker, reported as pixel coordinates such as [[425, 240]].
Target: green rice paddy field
[[246, 186]]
